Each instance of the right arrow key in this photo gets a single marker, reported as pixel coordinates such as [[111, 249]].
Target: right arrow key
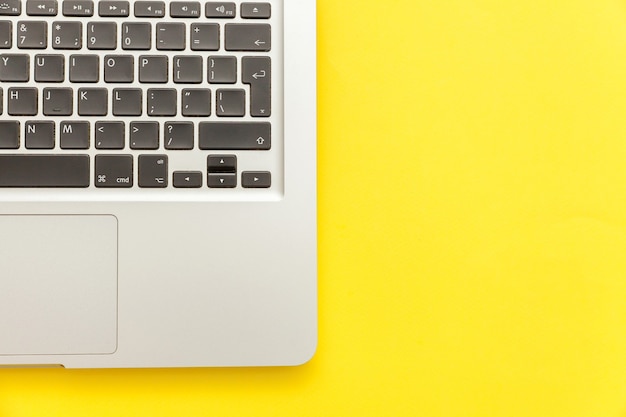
[[256, 179]]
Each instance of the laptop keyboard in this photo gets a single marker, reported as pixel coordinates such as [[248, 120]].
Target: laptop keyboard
[[138, 95]]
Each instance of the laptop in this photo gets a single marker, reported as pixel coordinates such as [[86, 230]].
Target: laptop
[[157, 183]]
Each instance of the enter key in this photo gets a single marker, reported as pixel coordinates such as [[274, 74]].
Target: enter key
[[257, 71]]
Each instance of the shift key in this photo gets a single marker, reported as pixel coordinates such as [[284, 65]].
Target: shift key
[[248, 37], [234, 136]]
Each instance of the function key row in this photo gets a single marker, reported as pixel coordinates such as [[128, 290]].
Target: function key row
[[149, 9]]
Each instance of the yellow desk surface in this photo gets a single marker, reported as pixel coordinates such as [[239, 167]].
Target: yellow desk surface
[[472, 227]]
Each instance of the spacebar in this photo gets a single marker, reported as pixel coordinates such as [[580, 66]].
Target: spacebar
[[44, 171]]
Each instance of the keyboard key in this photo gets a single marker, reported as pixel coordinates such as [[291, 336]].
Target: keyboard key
[[79, 8], [222, 163], [185, 9], [113, 8], [127, 102], [248, 37], [231, 103], [234, 136], [110, 135], [196, 102], [222, 69], [217, 9], [153, 69], [222, 180], [93, 101], [256, 10], [22, 101], [67, 35], [188, 69], [136, 36], [256, 179], [153, 171], [32, 35], [205, 37], [10, 137], [187, 179], [178, 135], [119, 69], [84, 68], [102, 35], [42, 7], [170, 36], [49, 68], [44, 171], [149, 9], [74, 135], [6, 34], [114, 171], [15, 68], [257, 71], [161, 102], [58, 101], [39, 135], [10, 8], [144, 135]]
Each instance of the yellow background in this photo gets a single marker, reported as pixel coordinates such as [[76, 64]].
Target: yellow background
[[472, 227]]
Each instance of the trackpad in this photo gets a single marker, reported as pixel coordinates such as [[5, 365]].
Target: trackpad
[[58, 285]]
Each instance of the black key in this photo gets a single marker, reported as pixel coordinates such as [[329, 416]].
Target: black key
[[256, 10], [39, 135], [114, 171], [10, 137], [93, 101], [185, 9], [257, 71], [170, 36], [127, 102], [58, 101], [256, 179], [10, 8], [196, 102], [15, 68], [144, 135], [222, 163], [153, 171], [220, 10], [110, 135], [113, 8], [178, 135], [153, 69], [231, 103], [74, 135], [222, 180], [79, 8], [22, 101], [32, 35], [41, 7], [205, 37], [187, 69], [222, 69], [49, 68], [84, 68], [119, 69], [234, 136], [1, 100], [102, 35], [67, 35], [44, 171], [6, 34], [161, 102], [187, 179], [136, 36], [248, 37], [149, 8]]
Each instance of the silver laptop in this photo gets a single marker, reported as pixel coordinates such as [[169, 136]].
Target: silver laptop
[[157, 183]]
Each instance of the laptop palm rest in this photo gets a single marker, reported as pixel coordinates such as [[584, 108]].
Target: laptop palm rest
[[58, 292]]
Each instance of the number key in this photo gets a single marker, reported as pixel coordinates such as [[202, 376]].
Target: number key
[[32, 35], [67, 35], [102, 35], [136, 36]]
